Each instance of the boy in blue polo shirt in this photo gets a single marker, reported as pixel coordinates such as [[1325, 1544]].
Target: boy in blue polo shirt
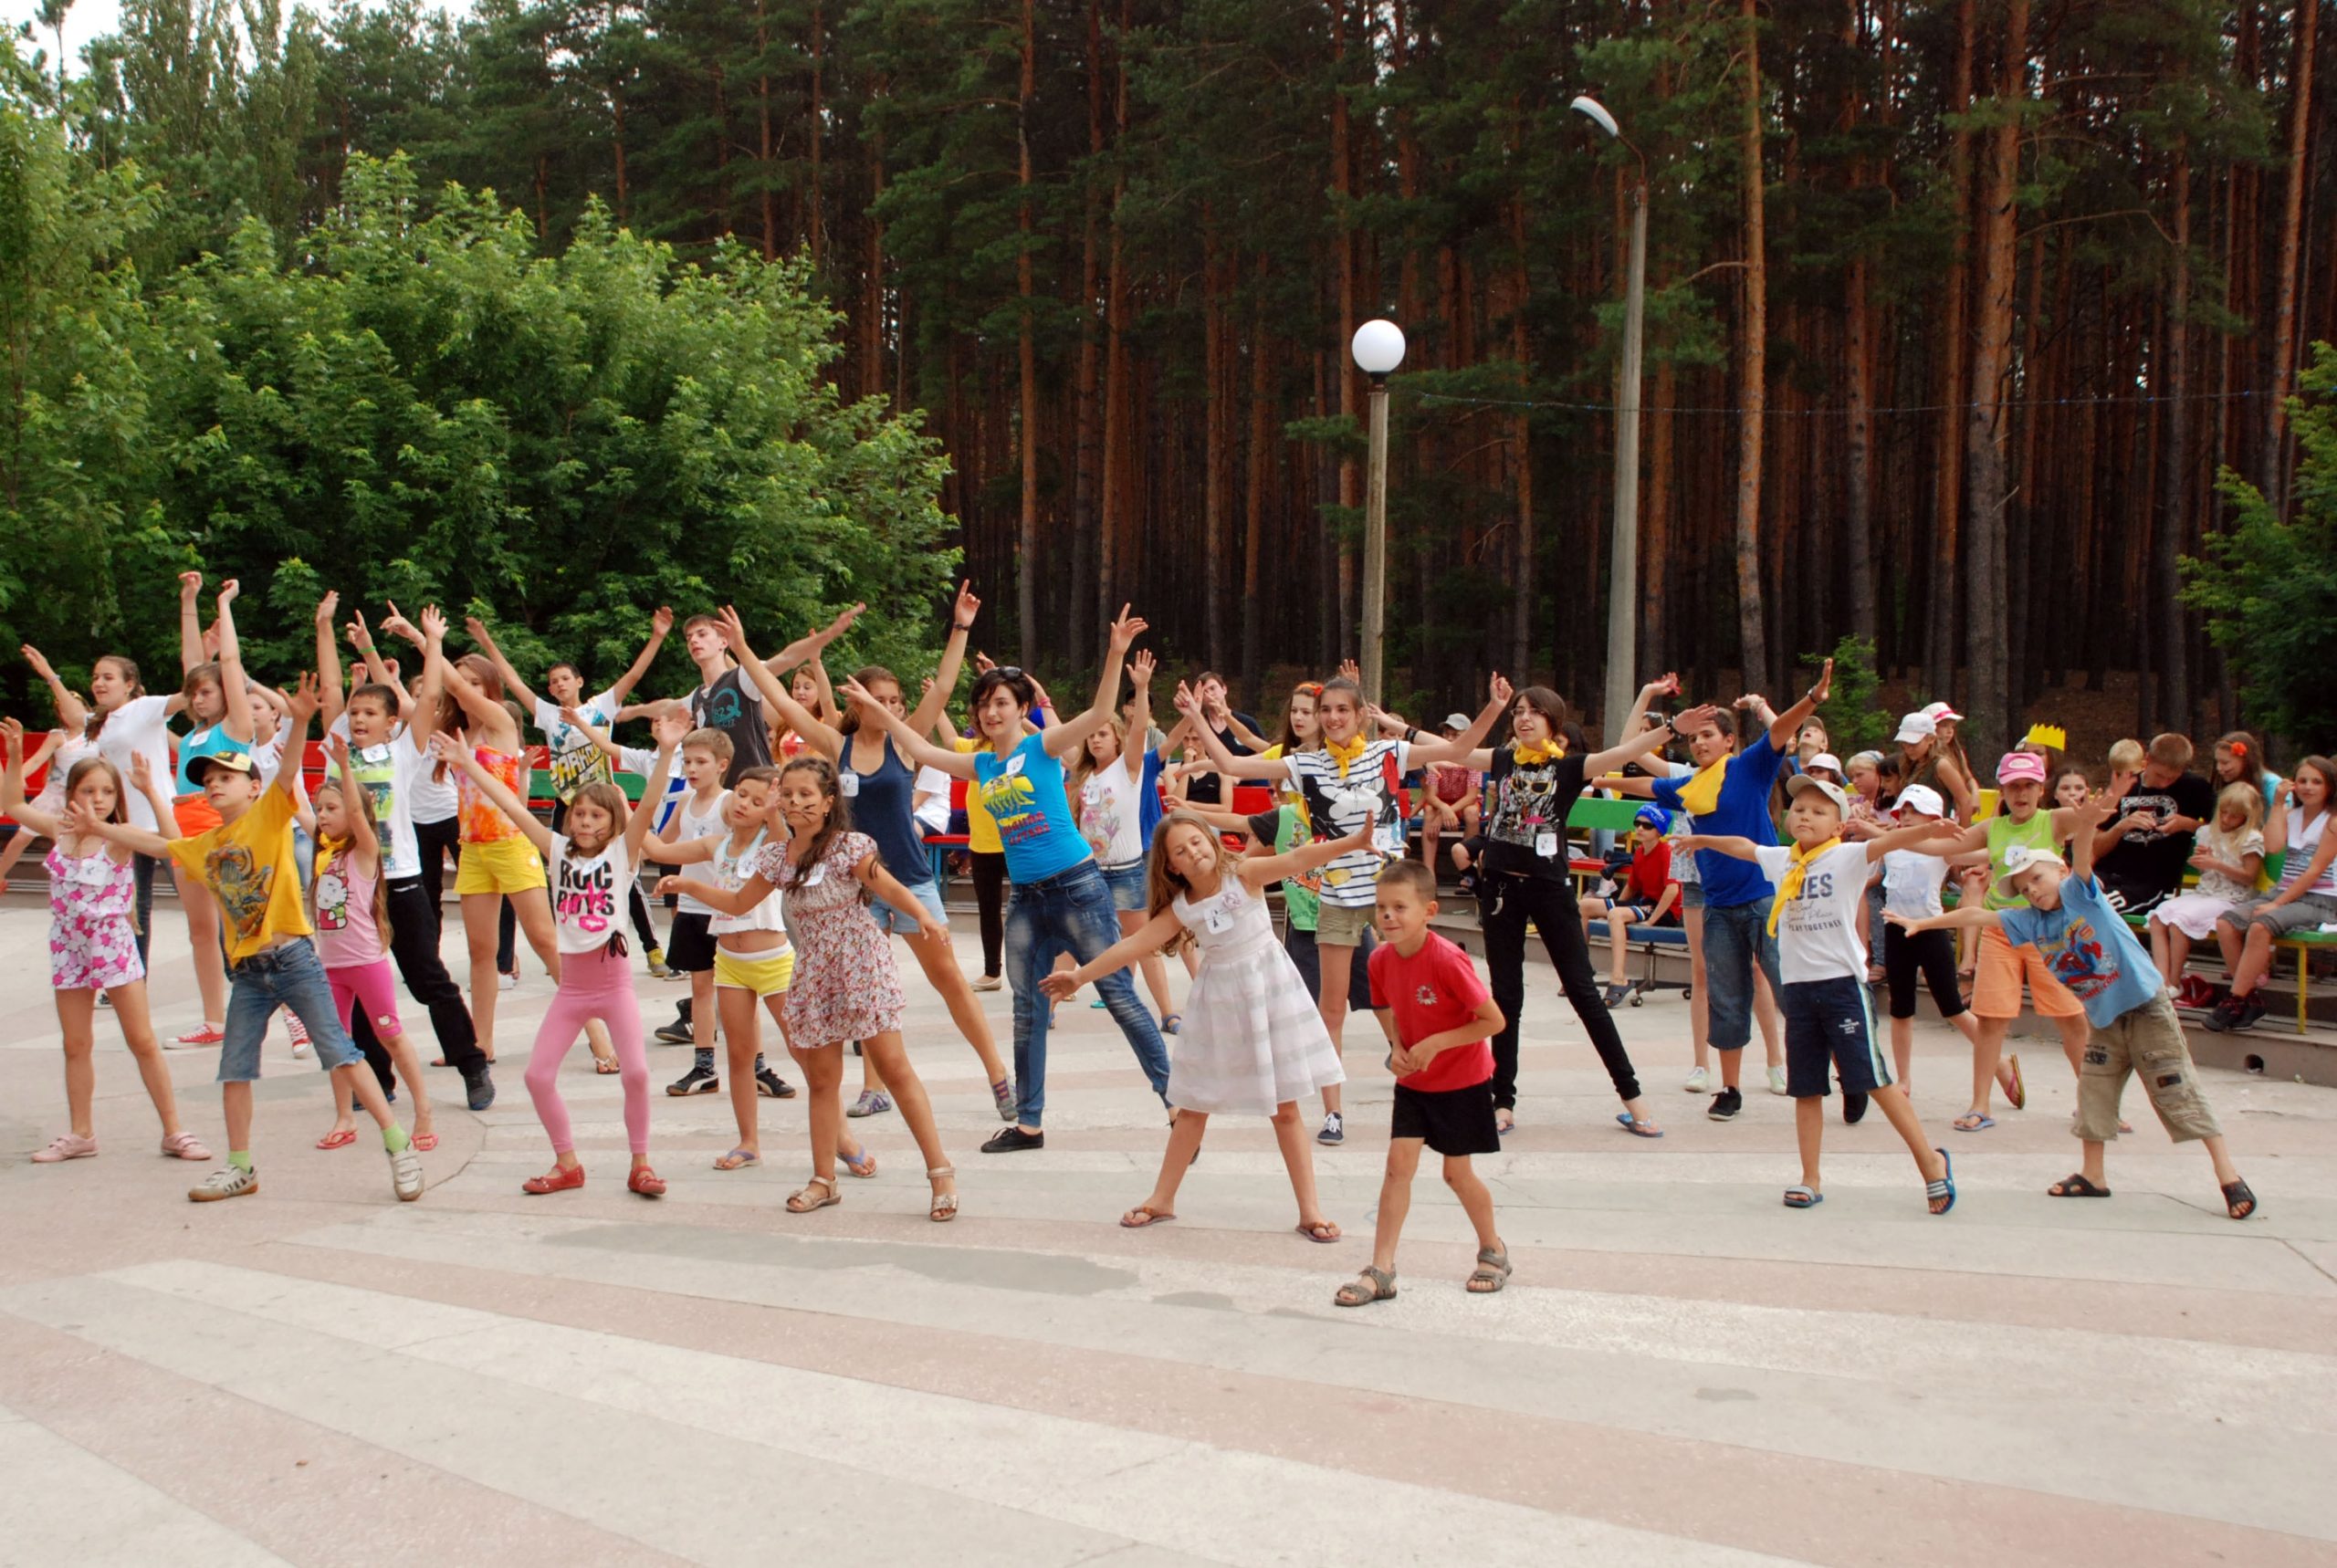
[[2088, 947]]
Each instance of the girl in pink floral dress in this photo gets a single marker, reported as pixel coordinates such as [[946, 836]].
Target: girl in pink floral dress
[[845, 985], [93, 945]]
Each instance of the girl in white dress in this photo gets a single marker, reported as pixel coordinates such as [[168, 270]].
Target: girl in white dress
[[1253, 1044]]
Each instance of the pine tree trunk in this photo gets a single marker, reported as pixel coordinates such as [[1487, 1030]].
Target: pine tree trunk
[[818, 134], [1521, 650], [1116, 360], [1084, 427], [1253, 520], [872, 271], [2274, 481], [1026, 565], [1655, 523], [1752, 630], [1988, 426], [2174, 467], [1947, 491], [1213, 442], [1857, 457], [763, 147]]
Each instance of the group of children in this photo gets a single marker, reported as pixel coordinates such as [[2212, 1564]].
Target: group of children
[[795, 828]]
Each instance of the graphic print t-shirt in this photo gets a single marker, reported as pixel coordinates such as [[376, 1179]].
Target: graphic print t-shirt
[[574, 760], [731, 705], [2090, 949], [248, 864], [2148, 862], [1817, 928], [1023, 793], [588, 894], [1338, 803], [1530, 802]]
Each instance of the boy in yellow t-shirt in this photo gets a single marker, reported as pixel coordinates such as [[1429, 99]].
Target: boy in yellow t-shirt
[[246, 863]]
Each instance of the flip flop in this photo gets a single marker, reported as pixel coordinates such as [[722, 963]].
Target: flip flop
[[1943, 1191], [1632, 1125], [1173, 1023], [738, 1159], [2240, 1201], [865, 1168], [1315, 1232], [2019, 1092], [1800, 1197], [2076, 1186], [1973, 1122], [1506, 1122], [1152, 1215], [339, 1138], [607, 1065]]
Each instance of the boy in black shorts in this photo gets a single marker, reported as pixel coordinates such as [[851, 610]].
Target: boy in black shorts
[[1817, 918], [1440, 1021]]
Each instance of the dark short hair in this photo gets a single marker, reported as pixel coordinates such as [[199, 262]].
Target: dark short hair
[[1412, 874], [1016, 683]]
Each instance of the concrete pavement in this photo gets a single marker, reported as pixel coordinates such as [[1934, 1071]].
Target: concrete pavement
[[1682, 1372]]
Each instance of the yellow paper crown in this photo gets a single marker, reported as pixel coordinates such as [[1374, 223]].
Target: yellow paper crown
[[2051, 736]]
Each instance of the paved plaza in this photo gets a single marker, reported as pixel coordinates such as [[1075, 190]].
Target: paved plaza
[[1682, 1371]]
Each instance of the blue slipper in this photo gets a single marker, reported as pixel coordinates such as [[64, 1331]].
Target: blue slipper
[[1799, 1197], [1982, 1126], [1630, 1125], [1945, 1187]]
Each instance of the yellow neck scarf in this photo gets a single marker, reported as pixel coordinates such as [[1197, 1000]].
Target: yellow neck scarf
[[1795, 869], [1540, 752], [1343, 754], [1700, 795]]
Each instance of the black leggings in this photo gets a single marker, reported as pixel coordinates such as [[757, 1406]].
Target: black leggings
[[141, 875], [414, 946], [1505, 903], [989, 894], [1904, 953]]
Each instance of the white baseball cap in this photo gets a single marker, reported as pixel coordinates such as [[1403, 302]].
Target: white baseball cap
[[1939, 713], [1922, 800], [1802, 783], [1825, 760], [2020, 860], [1456, 721], [1917, 727]]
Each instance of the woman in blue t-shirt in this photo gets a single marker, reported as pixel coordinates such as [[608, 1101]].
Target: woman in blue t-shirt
[[1061, 903]]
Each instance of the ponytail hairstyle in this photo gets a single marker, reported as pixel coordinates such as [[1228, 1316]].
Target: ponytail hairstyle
[[850, 723], [128, 668], [839, 820], [367, 823]]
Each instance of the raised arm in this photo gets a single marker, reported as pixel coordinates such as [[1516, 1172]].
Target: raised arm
[[661, 623], [421, 713], [2086, 819], [935, 702], [300, 708], [1642, 743], [456, 755], [234, 701], [1728, 844], [12, 785], [906, 741], [365, 847], [1133, 753], [1636, 720], [1221, 757], [811, 647], [816, 733], [190, 621], [71, 710], [513, 686], [1071, 734], [329, 691], [1426, 753], [1788, 724], [639, 820], [482, 710]]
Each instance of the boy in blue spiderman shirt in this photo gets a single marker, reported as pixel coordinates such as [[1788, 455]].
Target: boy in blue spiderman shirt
[[2090, 949]]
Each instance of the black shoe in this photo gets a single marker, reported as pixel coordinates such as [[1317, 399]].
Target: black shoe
[[478, 1088], [2251, 1010], [771, 1086], [1013, 1140], [1853, 1107], [1725, 1106], [2226, 1011], [699, 1079], [676, 1033]]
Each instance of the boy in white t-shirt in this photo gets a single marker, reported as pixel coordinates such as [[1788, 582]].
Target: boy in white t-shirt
[[1819, 906]]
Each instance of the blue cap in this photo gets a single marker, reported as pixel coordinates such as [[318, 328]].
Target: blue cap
[[1653, 817]]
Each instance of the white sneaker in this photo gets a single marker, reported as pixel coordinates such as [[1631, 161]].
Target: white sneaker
[[1777, 1081], [508, 982], [227, 1181], [405, 1173], [1698, 1081]]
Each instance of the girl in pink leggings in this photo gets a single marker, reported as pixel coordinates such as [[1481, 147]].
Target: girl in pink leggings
[[593, 869]]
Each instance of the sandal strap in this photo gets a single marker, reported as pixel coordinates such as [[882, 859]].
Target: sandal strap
[[935, 1171]]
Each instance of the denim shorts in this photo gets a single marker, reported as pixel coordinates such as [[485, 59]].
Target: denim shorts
[[289, 975], [1127, 886], [890, 919]]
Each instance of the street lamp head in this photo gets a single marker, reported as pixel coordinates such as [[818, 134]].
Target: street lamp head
[[1590, 109], [1378, 348]]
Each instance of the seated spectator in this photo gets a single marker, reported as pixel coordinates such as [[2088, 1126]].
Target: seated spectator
[[1649, 894], [1453, 799], [2229, 860], [2142, 854]]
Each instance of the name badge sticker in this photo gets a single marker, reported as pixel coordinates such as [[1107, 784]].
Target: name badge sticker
[[847, 783], [1546, 845]]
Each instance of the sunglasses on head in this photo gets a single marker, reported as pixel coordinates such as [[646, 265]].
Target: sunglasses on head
[[1011, 672]]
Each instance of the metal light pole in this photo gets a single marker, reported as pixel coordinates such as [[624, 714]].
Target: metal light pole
[[1378, 349], [1623, 556]]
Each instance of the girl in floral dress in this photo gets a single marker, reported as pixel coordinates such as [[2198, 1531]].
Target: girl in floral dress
[[845, 987], [93, 945]]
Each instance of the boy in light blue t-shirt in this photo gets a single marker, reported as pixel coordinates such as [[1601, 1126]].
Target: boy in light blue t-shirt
[[2087, 944]]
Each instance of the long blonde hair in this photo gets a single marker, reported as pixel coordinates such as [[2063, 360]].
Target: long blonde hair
[[1163, 884]]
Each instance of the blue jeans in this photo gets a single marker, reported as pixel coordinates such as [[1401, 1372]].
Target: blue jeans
[[1736, 937], [288, 977], [1070, 912]]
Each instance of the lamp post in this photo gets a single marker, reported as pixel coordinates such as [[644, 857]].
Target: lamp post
[[1623, 558], [1378, 349]]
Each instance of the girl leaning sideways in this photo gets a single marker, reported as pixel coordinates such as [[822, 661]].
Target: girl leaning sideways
[[879, 778], [352, 921], [93, 949], [1061, 902], [845, 987], [1256, 1044], [2229, 858], [592, 865]]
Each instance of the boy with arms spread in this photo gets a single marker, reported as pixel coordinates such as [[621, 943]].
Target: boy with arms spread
[[2067, 917]]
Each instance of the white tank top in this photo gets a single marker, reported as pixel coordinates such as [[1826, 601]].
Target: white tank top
[[730, 873], [697, 825], [2304, 842]]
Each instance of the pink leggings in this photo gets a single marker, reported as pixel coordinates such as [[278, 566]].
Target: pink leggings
[[595, 985]]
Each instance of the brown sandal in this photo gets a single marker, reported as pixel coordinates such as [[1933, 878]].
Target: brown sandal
[[1152, 1215], [808, 1198], [1374, 1284], [945, 1204]]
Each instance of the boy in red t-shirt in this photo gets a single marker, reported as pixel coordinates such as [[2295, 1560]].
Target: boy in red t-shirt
[[1440, 1022], [1649, 895]]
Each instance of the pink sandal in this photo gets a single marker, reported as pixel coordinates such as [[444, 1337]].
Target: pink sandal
[[339, 1139], [184, 1146]]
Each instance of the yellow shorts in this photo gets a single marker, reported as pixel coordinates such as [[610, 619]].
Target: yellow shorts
[[502, 865], [765, 974]]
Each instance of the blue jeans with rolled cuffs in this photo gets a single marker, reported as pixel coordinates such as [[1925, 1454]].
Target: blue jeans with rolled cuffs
[[1735, 939], [1070, 912]]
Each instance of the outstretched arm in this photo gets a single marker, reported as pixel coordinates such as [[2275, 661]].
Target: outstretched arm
[[1932, 836], [661, 623], [458, 756], [1970, 913], [911, 745], [1221, 757], [1259, 869], [1636, 745], [512, 685], [1145, 938], [811, 647], [71, 712], [722, 900], [816, 733], [1071, 733], [1728, 844], [1498, 694], [1788, 723]]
